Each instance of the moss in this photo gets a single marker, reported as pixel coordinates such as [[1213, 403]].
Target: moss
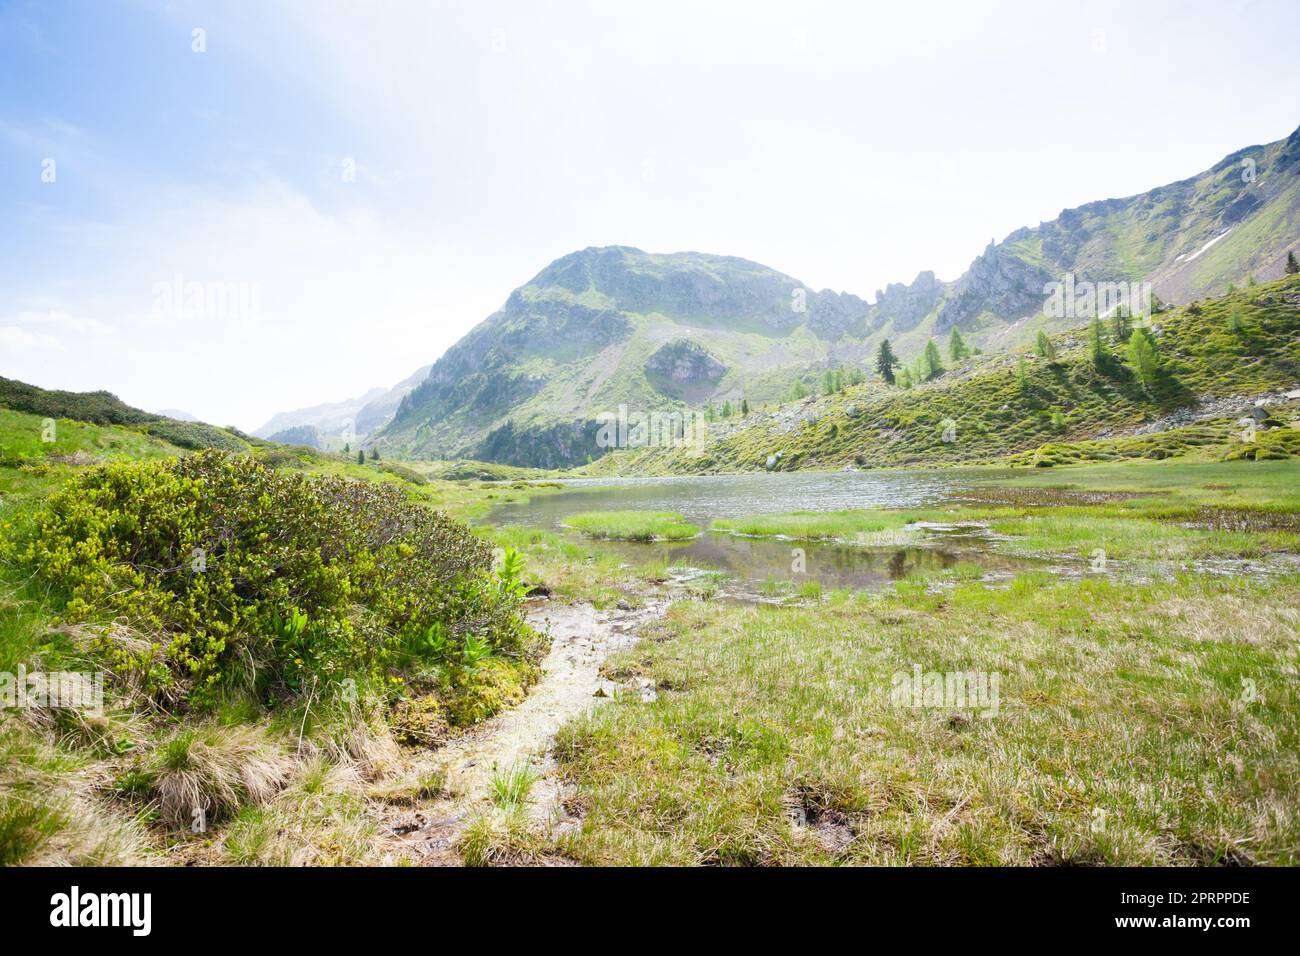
[[420, 722], [488, 688]]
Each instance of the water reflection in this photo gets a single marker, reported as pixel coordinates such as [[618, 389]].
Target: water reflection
[[759, 560], [701, 499]]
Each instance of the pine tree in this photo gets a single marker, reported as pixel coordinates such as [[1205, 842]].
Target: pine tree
[[905, 378], [361, 456], [1292, 267], [1234, 319], [957, 349], [744, 406], [1022, 374], [933, 362], [1044, 347], [1097, 343], [726, 409], [1119, 327], [347, 447], [886, 361]]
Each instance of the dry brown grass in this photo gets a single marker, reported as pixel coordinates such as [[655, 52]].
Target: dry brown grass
[[216, 770], [50, 811]]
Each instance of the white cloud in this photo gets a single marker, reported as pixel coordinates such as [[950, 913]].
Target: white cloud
[[77, 324], [12, 337], [344, 303]]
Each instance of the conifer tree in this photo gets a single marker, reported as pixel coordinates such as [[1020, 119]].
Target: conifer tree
[[886, 362]]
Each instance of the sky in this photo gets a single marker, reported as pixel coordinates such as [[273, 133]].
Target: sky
[[240, 208]]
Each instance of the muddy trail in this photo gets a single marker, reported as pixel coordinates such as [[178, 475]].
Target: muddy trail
[[582, 637]]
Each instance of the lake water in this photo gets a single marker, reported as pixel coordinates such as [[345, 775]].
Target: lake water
[[753, 561], [703, 498]]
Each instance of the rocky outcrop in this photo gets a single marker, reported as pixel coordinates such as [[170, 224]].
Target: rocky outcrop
[[999, 282], [906, 305], [683, 366]]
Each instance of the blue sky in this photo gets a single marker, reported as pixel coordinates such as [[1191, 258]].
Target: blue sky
[[849, 145]]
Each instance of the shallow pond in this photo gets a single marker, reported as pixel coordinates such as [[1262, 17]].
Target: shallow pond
[[753, 562], [701, 499]]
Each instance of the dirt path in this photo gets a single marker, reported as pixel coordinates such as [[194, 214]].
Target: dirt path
[[581, 639]]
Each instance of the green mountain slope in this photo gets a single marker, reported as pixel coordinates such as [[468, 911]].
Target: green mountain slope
[[1213, 357], [1189, 239], [617, 326], [667, 334]]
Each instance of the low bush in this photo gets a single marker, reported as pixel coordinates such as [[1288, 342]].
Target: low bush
[[246, 579]]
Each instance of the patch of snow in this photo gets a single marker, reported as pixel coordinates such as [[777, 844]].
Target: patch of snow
[[1206, 247]]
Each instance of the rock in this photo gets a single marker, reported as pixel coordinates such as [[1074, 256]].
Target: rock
[[907, 305], [684, 363], [623, 606], [538, 590]]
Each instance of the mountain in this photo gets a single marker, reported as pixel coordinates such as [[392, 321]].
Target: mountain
[[338, 422], [178, 414], [612, 326], [307, 435], [1189, 239], [1217, 361]]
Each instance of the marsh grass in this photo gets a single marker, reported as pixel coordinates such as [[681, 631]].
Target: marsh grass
[[814, 525], [501, 838], [321, 819], [1153, 511], [215, 770], [634, 525], [1137, 725], [510, 789]]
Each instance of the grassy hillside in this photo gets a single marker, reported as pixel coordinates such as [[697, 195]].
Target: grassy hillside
[[104, 408], [602, 328], [1243, 344]]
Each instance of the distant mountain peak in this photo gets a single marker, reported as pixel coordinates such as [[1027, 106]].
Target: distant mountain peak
[[615, 325]]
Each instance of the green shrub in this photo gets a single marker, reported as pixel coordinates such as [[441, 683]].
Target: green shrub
[[249, 579], [194, 435]]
